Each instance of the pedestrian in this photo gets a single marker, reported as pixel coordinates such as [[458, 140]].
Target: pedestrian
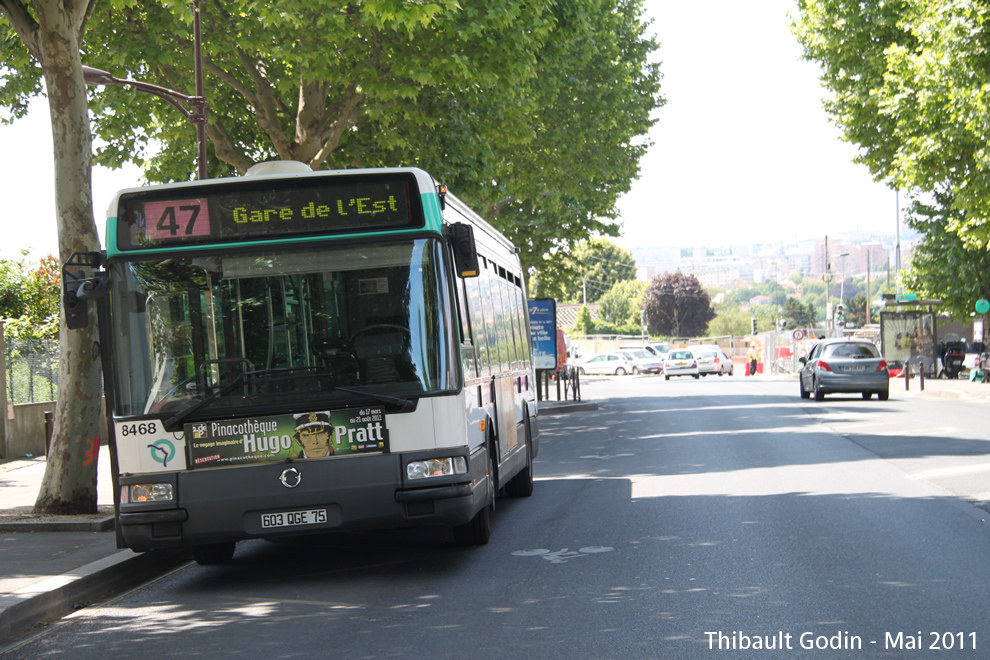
[[753, 355]]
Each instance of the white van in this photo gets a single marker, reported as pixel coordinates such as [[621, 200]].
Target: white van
[[659, 348]]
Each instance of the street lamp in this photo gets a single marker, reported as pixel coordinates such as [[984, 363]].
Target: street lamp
[[196, 113]]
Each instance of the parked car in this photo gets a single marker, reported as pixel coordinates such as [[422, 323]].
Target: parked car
[[643, 361], [844, 365], [680, 362], [706, 360], [712, 360], [605, 363]]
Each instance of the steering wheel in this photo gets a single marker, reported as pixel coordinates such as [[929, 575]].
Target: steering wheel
[[335, 357], [382, 326]]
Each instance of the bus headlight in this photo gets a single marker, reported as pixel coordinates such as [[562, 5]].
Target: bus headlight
[[436, 467], [146, 493]]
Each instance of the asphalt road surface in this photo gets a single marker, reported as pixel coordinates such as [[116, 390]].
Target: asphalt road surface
[[683, 519]]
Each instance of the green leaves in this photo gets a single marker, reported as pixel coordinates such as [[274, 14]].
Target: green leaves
[[910, 85], [29, 298], [944, 265]]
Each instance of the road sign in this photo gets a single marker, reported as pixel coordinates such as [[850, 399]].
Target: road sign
[[798, 334]]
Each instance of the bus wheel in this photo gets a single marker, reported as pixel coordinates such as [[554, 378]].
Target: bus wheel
[[213, 553], [521, 485], [479, 530]]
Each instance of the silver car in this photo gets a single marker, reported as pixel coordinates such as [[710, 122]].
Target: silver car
[[644, 362], [605, 363], [839, 366]]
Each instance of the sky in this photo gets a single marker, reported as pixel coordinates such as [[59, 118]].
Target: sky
[[743, 151]]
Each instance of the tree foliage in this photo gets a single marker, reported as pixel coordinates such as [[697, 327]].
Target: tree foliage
[[909, 84], [597, 265], [620, 306], [943, 265], [729, 321], [583, 324], [797, 313], [29, 298], [677, 306], [532, 112]]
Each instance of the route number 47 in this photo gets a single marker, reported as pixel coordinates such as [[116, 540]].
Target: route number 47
[[189, 217]]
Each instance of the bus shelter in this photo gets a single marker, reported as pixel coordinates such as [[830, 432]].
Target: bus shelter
[[909, 335]]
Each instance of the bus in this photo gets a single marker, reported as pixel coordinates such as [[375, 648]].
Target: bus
[[295, 352]]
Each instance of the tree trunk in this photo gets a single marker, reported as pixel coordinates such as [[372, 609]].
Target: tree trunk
[[69, 484]]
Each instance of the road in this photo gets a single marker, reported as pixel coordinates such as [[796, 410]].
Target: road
[[678, 517]]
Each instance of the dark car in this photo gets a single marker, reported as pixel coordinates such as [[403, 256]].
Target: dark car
[[841, 366]]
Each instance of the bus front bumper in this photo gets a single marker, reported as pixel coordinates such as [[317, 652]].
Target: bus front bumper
[[236, 503]]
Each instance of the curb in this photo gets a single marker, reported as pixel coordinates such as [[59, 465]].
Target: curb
[[563, 408], [100, 525], [59, 595]]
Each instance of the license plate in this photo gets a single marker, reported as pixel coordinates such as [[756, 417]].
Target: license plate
[[293, 518], [855, 368]]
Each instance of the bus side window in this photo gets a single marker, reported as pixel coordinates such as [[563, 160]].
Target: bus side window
[[512, 293], [488, 311], [469, 348], [527, 356], [502, 348], [508, 314], [477, 318]]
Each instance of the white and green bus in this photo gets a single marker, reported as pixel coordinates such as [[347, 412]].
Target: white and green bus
[[295, 352]]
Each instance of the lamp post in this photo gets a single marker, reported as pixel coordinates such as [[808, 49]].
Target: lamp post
[[196, 111]]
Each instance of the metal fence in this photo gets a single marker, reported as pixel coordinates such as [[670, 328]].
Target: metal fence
[[32, 370]]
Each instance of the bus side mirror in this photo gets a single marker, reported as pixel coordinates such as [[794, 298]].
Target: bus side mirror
[[76, 308], [465, 250], [77, 289]]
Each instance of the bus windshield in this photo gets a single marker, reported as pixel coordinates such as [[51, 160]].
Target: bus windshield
[[282, 329]]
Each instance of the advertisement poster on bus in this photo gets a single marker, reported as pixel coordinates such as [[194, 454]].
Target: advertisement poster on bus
[[280, 437], [543, 330]]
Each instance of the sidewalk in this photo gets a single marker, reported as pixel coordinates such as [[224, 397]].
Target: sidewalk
[[52, 565], [960, 388]]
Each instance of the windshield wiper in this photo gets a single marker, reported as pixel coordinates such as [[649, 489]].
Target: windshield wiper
[[174, 422], [403, 404], [264, 376], [259, 377]]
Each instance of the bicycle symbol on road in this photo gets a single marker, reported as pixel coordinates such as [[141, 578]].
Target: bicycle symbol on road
[[564, 554]]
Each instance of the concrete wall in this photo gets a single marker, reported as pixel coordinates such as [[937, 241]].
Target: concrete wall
[[26, 430]]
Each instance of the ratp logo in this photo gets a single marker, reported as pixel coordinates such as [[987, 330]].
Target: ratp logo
[[162, 451]]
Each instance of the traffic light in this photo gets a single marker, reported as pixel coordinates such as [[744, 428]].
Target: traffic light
[[753, 320], [840, 316]]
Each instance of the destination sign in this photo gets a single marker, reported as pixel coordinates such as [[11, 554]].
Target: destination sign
[[227, 212]]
